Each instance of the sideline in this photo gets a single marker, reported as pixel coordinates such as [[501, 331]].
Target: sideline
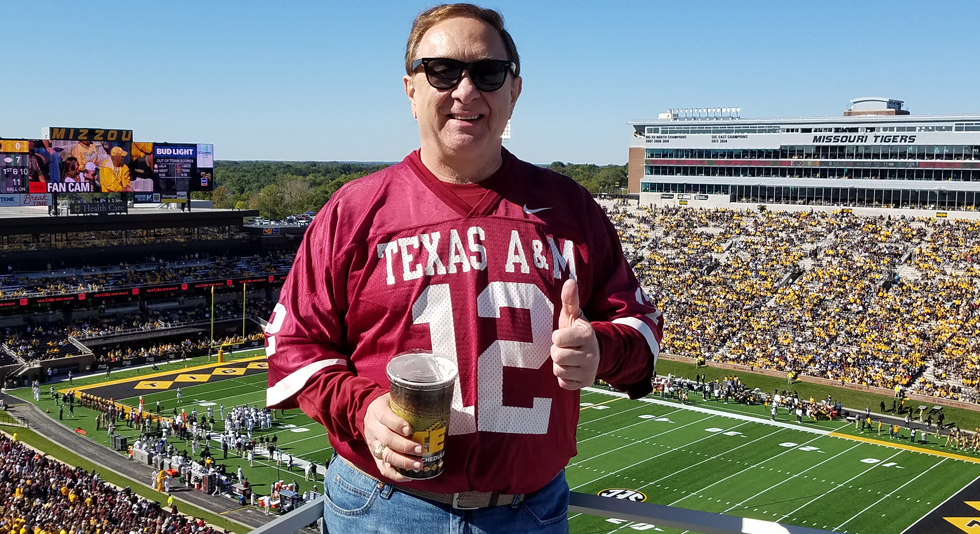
[[802, 428], [941, 454], [698, 409]]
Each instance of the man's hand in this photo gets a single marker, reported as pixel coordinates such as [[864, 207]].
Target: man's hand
[[575, 351], [383, 427]]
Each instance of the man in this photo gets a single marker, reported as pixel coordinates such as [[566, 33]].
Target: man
[[143, 177], [466, 251], [114, 175]]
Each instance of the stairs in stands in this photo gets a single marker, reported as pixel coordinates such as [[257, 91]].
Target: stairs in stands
[[78, 344], [908, 272]]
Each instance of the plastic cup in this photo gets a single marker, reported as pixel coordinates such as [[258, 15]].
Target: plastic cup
[[422, 394]]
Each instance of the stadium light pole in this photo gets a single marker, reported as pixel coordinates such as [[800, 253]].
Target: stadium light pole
[[243, 310], [212, 316]]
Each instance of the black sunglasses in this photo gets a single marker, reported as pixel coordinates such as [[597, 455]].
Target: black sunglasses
[[444, 73]]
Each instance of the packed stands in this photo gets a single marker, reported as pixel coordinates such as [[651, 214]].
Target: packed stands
[[197, 268], [43, 495], [50, 340], [882, 301]]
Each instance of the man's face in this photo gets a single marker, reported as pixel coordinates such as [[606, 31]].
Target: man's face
[[117, 160], [463, 120]]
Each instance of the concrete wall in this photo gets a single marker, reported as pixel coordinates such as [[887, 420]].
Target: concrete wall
[[635, 167]]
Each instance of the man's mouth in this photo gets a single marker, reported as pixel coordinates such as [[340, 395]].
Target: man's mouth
[[465, 117]]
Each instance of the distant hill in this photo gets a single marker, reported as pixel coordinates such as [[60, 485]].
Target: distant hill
[[280, 188]]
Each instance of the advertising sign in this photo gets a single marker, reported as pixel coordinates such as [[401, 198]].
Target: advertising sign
[[205, 156], [99, 160], [100, 208], [146, 198], [10, 201], [174, 164]]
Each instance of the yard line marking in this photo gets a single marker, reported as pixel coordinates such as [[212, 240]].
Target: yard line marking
[[642, 440], [614, 414], [713, 434], [790, 478], [581, 408], [740, 417], [855, 477], [904, 447], [940, 504], [787, 451], [889, 495], [630, 426], [710, 459]]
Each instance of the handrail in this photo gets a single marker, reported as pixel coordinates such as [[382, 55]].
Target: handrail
[[654, 514], [10, 419]]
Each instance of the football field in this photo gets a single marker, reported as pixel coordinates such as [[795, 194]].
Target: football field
[[717, 458], [706, 456]]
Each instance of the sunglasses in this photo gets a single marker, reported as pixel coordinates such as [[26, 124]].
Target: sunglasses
[[444, 73]]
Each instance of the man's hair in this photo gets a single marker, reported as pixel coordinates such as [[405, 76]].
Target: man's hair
[[432, 16]]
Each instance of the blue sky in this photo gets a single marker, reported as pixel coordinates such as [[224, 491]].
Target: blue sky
[[321, 80]]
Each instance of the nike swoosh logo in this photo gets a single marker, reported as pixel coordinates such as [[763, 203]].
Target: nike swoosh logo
[[532, 212]]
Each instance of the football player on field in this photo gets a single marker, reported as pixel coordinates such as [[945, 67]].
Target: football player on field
[[510, 270]]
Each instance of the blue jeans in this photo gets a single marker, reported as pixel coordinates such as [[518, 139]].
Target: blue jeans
[[359, 504]]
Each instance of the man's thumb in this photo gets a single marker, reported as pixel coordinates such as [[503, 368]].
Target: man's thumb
[[570, 309]]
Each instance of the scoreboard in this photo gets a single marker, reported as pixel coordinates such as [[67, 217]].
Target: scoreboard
[[78, 160], [13, 166]]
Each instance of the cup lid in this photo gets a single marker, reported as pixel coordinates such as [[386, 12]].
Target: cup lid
[[421, 369]]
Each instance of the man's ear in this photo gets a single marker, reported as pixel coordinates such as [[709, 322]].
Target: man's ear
[[410, 93], [515, 92]]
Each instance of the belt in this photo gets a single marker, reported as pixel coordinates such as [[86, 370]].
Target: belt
[[467, 500]]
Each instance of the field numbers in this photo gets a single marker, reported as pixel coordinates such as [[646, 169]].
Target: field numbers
[[875, 460], [807, 448], [634, 526]]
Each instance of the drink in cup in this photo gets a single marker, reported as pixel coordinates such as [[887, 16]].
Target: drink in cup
[[422, 394]]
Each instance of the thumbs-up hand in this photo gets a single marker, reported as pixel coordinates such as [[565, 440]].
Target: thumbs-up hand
[[575, 349]]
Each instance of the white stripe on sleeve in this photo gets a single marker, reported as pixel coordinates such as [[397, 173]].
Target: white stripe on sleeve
[[644, 329], [294, 382]]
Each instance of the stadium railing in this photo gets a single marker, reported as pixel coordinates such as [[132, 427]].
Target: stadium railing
[[649, 513], [9, 419]]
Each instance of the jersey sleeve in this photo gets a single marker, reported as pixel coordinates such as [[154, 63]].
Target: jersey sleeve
[[308, 359], [627, 324]]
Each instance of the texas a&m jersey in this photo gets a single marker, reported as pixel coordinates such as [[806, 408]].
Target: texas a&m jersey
[[396, 262]]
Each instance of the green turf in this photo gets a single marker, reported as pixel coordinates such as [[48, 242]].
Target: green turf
[[754, 469], [715, 461]]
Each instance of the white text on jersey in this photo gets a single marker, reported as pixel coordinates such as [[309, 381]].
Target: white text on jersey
[[450, 256]]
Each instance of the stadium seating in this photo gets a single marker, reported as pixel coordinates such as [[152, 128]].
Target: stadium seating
[[880, 301]]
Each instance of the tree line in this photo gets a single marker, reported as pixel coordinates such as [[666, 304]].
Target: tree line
[[281, 188]]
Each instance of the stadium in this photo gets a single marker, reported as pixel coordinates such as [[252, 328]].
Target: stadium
[[819, 370]]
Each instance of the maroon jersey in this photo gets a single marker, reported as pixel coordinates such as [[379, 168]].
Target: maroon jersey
[[396, 262]]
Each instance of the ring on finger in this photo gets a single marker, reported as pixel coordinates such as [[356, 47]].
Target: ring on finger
[[379, 451]]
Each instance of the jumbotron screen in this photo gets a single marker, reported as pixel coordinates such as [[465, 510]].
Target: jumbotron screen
[[92, 160]]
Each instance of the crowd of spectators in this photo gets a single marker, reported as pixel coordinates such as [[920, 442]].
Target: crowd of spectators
[[199, 268], [40, 494], [881, 301], [157, 319], [134, 236], [40, 341], [174, 350]]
